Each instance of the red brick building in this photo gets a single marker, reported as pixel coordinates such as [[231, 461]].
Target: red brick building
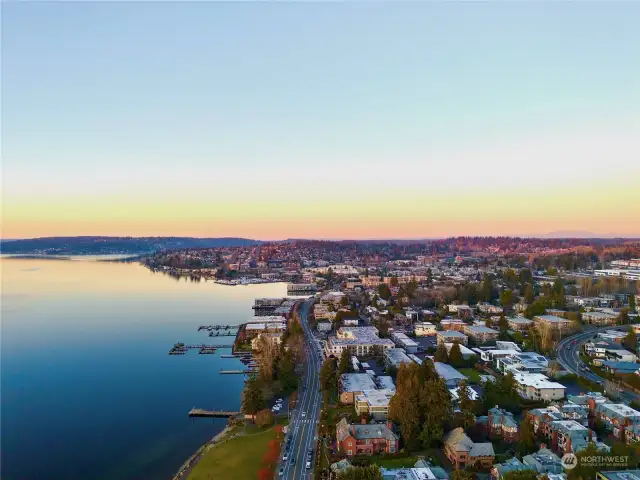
[[366, 438]]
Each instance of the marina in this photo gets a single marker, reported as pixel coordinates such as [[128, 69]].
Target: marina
[[180, 348]]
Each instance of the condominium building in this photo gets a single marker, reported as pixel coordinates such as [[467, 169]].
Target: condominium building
[[356, 340]]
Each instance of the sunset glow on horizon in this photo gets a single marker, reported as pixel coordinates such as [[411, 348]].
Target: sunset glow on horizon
[[354, 120]]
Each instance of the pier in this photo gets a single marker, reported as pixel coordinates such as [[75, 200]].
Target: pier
[[199, 412], [237, 372], [210, 328], [181, 348]]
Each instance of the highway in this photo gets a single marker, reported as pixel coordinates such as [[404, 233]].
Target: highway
[[569, 358], [304, 420]]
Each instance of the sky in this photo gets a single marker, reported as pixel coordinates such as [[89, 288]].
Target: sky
[[357, 119]]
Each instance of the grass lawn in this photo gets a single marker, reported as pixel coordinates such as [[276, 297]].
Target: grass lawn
[[471, 373], [239, 457]]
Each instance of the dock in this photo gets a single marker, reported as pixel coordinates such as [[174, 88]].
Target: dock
[[181, 348], [210, 328], [237, 372], [199, 412]]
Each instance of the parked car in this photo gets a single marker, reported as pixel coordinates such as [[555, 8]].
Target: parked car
[[308, 464], [281, 471], [285, 456]]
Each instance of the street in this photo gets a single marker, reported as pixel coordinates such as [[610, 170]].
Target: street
[[304, 420], [569, 358]]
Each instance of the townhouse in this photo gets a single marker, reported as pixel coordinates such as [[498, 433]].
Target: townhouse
[[618, 417], [544, 461], [462, 452], [499, 423], [365, 439]]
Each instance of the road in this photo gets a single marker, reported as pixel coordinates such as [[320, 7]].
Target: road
[[304, 420], [569, 358]]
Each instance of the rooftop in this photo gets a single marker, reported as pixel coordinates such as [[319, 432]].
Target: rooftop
[[356, 382]]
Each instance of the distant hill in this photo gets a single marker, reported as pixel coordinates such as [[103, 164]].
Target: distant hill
[[114, 245]]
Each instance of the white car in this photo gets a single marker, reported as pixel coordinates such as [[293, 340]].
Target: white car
[[308, 465], [285, 457], [304, 414]]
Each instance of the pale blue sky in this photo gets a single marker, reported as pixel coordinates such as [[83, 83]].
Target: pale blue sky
[[104, 98]]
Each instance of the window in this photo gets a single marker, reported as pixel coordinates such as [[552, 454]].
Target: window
[[349, 452]]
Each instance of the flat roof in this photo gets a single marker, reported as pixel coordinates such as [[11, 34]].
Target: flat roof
[[356, 382], [447, 372]]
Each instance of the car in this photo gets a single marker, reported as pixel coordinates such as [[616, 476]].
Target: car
[[293, 460], [308, 464], [281, 471], [285, 457], [304, 414]]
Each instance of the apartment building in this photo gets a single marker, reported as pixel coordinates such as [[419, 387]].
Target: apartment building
[[394, 357], [452, 324], [481, 334], [618, 417], [356, 340], [463, 311], [352, 384], [374, 403], [489, 309], [404, 342], [519, 324], [452, 336], [424, 329], [500, 423], [535, 386], [599, 318]]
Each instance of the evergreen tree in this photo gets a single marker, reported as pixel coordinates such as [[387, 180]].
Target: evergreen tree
[[455, 356], [369, 472], [345, 362], [506, 298], [328, 379], [630, 341], [623, 318], [441, 354], [529, 296], [526, 439], [466, 405], [632, 303], [253, 398], [287, 370], [463, 475]]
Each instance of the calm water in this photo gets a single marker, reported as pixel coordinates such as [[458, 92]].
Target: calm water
[[88, 390]]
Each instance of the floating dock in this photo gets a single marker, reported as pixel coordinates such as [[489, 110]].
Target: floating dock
[[237, 372], [181, 348], [210, 328], [199, 412]]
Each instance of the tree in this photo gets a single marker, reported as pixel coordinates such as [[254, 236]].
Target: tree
[[441, 354], [384, 292], [632, 303], [630, 341], [526, 439], [466, 405], [463, 475], [370, 472], [506, 298], [264, 417], [265, 473], [287, 371], [623, 318], [455, 356], [487, 290], [529, 296], [328, 379], [253, 398], [525, 276], [521, 475], [344, 301], [345, 362]]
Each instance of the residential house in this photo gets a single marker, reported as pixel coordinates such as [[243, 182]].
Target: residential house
[[366, 439], [463, 452], [463, 311], [499, 470], [481, 334], [615, 367], [544, 461], [500, 423]]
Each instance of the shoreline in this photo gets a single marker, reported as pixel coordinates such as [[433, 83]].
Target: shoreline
[[193, 460]]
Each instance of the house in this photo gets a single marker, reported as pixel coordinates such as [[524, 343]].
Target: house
[[544, 461], [463, 452], [487, 308], [481, 334], [420, 471], [618, 417], [621, 355], [612, 336], [402, 341], [519, 324], [452, 378], [424, 329], [271, 338], [452, 324], [452, 336], [499, 470], [463, 311], [365, 439], [500, 423], [352, 384], [621, 367], [466, 352], [393, 357], [536, 386], [553, 321], [599, 318]]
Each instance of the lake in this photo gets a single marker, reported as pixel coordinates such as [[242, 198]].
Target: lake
[[88, 388]]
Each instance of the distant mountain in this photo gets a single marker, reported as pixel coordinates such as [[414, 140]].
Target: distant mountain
[[114, 245]]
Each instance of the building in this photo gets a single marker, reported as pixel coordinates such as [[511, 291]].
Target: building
[[323, 326], [619, 475], [254, 329], [463, 452], [374, 403], [535, 386], [352, 384], [402, 341], [420, 471], [618, 417], [452, 336], [489, 309], [466, 352], [588, 400], [463, 311], [621, 367], [553, 321], [500, 423], [519, 324], [481, 334], [452, 377], [521, 362], [424, 329], [452, 324], [321, 312], [394, 357], [365, 439], [544, 461], [357, 340], [599, 318], [271, 338], [499, 470]]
